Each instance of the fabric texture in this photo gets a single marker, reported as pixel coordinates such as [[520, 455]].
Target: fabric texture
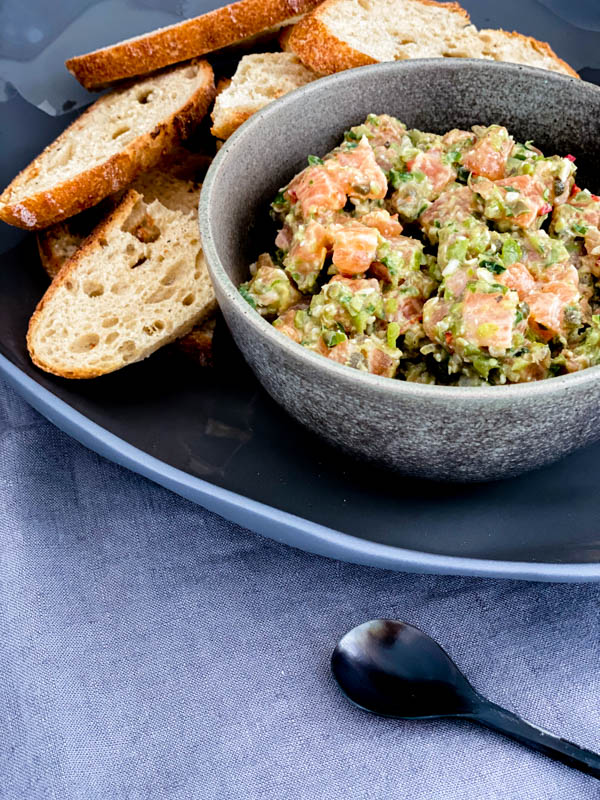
[[150, 649]]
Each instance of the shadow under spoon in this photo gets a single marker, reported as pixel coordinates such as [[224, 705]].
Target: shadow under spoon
[[395, 670]]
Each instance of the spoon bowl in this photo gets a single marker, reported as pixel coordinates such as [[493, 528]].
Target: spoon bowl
[[393, 669]]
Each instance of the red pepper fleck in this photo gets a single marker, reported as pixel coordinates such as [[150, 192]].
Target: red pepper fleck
[[575, 189], [448, 337], [569, 157], [595, 197], [545, 209], [410, 164]]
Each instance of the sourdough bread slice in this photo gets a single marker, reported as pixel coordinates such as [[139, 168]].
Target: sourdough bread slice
[[519, 49], [259, 79], [138, 282], [60, 242], [193, 37], [122, 134], [341, 34]]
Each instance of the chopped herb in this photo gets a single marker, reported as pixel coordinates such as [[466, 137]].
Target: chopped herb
[[511, 252], [522, 313], [248, 297], [581, 229], [452, 157], [511, 189], [396, 177], [314, 160], [331, 338], [555, 369], [280, 199], [493, 266], [300, 318], [393, 331], [352, 135]]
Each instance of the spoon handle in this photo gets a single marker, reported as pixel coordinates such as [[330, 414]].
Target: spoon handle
[[503, 721]]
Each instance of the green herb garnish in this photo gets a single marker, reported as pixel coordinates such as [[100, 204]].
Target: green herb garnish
[[331, 338], [511, 252], [493, 266], [248, 297], [393, 331]]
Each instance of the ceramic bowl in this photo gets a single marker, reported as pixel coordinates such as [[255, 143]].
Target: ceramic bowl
[[447, 433]]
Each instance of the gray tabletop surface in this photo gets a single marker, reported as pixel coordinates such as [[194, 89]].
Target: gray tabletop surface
[[149, 649]]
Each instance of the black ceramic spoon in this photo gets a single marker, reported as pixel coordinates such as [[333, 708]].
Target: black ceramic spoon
[[395, 670]]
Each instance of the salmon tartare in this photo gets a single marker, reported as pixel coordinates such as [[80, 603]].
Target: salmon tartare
[[464, 259]]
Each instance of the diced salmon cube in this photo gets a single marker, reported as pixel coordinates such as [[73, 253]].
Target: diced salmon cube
[[489, 155], [518, 278], [488, 320], [358, 172], [433, 167], [317, 188], [456, 136], [455, 204], [354, 249], [307, 254], [387, 224], [547, 306], [285, 324]]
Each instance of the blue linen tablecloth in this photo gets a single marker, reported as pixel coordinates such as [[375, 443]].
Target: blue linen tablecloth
[[150, 649]]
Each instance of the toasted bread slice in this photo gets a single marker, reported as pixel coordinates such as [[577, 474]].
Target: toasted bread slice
[[60, 242], [138, 282], [188, 39], [122, 134], [259, 79], [519, 49], [341, 34]]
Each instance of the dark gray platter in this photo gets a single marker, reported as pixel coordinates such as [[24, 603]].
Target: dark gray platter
[[219, 440]]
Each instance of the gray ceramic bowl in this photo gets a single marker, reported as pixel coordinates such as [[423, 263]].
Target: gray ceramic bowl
[[449, 433]]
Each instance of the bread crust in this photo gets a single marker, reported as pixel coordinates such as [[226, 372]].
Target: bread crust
[[89, 246], [541, 47], [319, 49], [184, 40], [44, 208], [230, 123]]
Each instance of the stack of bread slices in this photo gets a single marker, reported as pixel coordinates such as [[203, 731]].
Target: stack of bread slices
[[114, 198]]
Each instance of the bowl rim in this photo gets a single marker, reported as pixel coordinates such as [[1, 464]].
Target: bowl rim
[[340, 372]]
